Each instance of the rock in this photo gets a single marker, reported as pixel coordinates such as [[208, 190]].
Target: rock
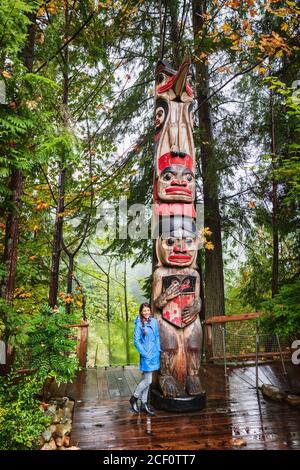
[[69, 448], [68, 412], [49, 445], [67, 441], [62, 429], [51, 410], [65, 420], [52, 444], [59, 441], [293, 400], [273, 392], [46, 435], [238, 442], [59, 415], [51, 428], [60, 401]]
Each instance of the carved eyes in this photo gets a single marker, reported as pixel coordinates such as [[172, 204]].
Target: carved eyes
[[189, 241], [169, 176], [170, 241]]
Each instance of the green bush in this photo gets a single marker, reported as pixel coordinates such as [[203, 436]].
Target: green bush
[[281, 314], [51, 345], [21, 420]]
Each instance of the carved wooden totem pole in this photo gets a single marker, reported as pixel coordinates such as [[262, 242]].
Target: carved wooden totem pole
[[176, 283]]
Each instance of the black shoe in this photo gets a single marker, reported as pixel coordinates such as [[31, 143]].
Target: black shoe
[[134, 406], [145, 408]]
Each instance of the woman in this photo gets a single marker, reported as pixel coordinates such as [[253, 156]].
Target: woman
[[146, 341]]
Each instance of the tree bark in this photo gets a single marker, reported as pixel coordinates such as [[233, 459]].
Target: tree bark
[[15, 186], [214, 277], [174, 33], [275, 259], [59, 217]]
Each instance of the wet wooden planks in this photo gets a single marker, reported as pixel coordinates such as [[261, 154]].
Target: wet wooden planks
[[102, 419]]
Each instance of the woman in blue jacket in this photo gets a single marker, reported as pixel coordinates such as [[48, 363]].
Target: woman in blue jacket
[[146, 341]]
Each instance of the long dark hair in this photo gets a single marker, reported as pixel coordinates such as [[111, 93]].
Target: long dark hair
[[145, 304]]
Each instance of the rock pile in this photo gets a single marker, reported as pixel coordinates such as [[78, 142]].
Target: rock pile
[[57, 435]]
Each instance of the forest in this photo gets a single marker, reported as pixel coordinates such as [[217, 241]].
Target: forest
[[76, 158]]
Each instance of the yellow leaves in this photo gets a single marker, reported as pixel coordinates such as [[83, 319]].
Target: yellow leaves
[[20, 293], [202, 55], [67, 298], [284, 27], [51, 8], [31, 104], [246, 24], [202, 234], [207, 231], [251, 205], [273, 44], [209, 246], [224, 69], [262, 70], [226, 28], [233, 4], [40, 205], [40, 38], [25, 295], [32, 258], [6, 74]]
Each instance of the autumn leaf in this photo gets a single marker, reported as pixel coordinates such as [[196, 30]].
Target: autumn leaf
[[209, 246]]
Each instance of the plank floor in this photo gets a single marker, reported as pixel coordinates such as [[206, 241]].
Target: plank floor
[[102, 418]]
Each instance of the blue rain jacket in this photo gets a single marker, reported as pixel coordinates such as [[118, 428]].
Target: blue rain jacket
[[148, 345]]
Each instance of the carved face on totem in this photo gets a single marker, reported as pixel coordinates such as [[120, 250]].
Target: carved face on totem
[[177, 249], [176, 179], [176, 183], [177, 244]]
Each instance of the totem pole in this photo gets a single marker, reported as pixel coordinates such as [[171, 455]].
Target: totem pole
[[176, 299]]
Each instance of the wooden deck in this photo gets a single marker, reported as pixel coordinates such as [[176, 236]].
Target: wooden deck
[[234, 413]]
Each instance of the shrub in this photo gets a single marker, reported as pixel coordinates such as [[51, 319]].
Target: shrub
[[281, 314], [21, 420]]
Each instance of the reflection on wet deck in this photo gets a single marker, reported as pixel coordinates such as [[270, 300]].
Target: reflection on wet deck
[[234, 414]]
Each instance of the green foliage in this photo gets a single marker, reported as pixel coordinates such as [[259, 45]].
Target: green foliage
[[281, 314], [51, 345], [21, 420]]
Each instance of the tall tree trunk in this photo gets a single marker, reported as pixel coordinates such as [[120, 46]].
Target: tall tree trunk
[[59, 219], [108, 312], [174, 32], [275, 259], [70, 280], [214, 276], [12, 235], [57, 238], [126, 314], [15, 186]]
